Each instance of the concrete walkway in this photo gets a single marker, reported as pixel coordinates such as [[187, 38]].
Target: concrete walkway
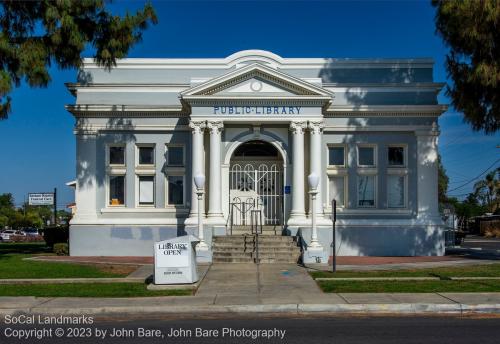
[[260, 284], [267, 288], [343, 303]]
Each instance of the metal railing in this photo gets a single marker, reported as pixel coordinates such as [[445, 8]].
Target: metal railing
[[256, 222]]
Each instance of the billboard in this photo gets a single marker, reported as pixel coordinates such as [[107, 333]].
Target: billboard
[[46, 198]]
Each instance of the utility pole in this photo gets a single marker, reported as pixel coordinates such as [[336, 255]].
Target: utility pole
[[55, 206], [334, 243]]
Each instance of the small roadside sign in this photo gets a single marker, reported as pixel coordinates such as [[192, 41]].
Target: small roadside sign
[[46, 198]]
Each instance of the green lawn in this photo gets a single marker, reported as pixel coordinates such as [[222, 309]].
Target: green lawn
[[87, 290], [13, 265], [409, 287], [487, 270]]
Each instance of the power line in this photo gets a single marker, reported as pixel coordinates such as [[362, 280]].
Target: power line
[[470, 181]]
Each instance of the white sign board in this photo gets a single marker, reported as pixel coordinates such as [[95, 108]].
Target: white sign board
[[41, 198], [175, 260], [171, 254]]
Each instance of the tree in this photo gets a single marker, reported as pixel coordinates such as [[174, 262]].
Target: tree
[[471, 29], [443, 181], [488, 190], [6, 200], [36, 34]]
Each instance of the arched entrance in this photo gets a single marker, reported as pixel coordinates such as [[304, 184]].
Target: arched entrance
[[256, 184]]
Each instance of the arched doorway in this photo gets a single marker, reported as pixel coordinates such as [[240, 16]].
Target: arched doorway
[[256, 184]]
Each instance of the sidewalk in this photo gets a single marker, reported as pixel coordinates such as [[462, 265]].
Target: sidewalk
[[267, 288], [344, 303]]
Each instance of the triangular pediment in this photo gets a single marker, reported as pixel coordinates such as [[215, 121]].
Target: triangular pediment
[[255, 86], [253, 81]]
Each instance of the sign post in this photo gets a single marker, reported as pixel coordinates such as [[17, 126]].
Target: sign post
[[55, 206], [334, 219], [44, 198]]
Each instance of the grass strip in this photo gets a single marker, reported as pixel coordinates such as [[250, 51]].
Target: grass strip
[[13, 265], [87, 290], [409, 286], [483, 270]]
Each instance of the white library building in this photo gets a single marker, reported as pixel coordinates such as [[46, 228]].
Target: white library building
[[257, 143]]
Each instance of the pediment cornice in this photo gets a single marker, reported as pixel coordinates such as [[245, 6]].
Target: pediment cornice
[[299, 88]]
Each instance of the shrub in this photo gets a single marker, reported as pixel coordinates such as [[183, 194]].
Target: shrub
[[54, 235], [490, 229], [61, 249], [26, 238]]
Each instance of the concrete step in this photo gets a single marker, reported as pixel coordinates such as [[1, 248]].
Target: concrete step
[[232, 254], [266, 227], [223, 247], [240, 232], [242, 249], [277, 261], [232, 260], [288, 249], [275, 254]]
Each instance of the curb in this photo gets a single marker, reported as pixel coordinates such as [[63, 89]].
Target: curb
[[367, 309]]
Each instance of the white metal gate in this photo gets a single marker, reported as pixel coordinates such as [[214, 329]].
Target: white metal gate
[[256, 186]]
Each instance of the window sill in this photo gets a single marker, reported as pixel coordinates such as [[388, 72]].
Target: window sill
[[145, 172], [397, 170], [336, 170]]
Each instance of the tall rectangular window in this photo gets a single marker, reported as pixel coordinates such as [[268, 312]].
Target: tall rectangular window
[[396, 156], [175, 156], [146, 155], [146, 190], [366, 191], [395, 191], [117, 155], [336, 156], [116, 190], [337, 190], [366, 156], [175, 190]]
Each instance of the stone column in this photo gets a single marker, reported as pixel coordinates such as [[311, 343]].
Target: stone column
[[427, 173], [214, 185], [316, 133], [197, 166], [298, 209]]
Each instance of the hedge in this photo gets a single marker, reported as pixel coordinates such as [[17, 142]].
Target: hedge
[[54, 235]]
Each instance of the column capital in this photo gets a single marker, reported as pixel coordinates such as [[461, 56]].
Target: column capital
[[316, 126], [197, 126], [298, 127], [215, 127]]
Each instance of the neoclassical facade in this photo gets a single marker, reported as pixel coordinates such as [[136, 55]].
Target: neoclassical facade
[[256, 125]]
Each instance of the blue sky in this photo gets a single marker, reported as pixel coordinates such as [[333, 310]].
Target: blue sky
[[38, 146]]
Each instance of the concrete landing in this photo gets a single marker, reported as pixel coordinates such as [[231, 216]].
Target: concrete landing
[[261, 284]]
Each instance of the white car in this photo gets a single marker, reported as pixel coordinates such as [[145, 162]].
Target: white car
[[5, 235]]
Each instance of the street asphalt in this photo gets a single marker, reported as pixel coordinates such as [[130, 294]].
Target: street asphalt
[[317, 330]]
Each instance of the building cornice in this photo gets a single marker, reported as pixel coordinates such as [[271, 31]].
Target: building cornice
[[385, 110], [256, 101], [126, 111], [262, 56]]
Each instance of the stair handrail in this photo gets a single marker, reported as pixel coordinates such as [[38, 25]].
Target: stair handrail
[[256, 214]]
